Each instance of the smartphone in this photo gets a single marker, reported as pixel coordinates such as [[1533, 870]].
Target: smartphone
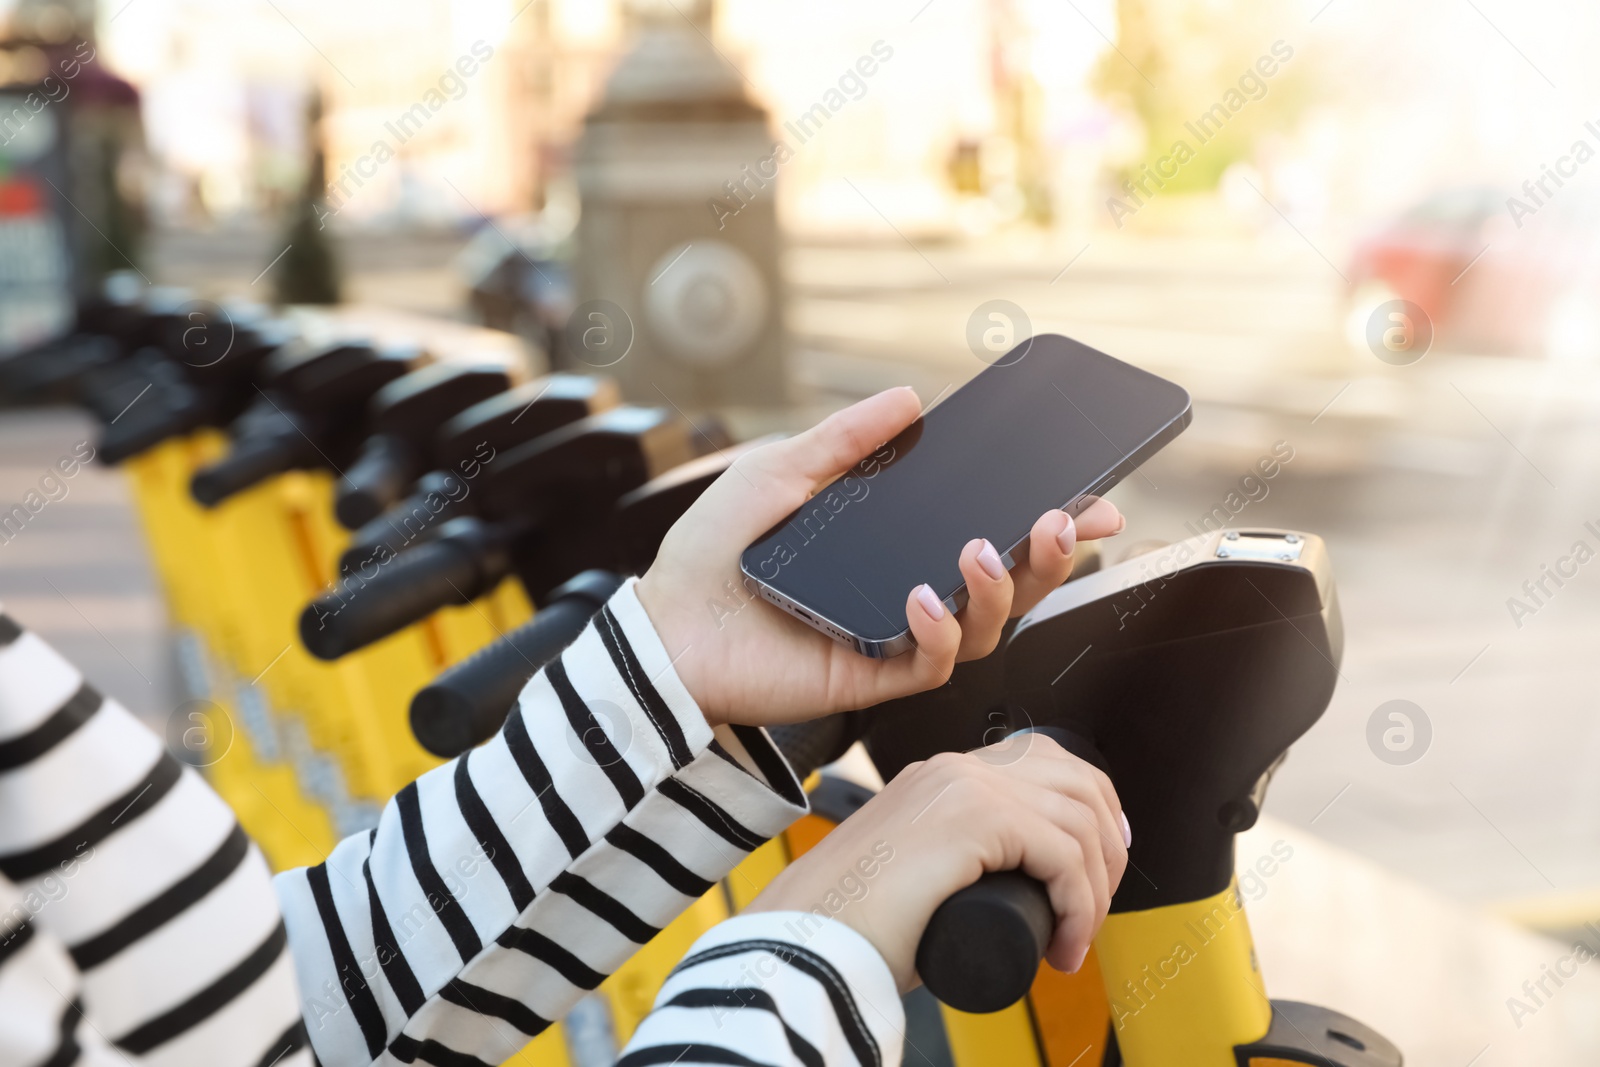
[[1052, 424]]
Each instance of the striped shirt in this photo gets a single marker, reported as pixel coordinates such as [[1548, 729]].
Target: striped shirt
[[41, 1003], [496, 891], [139, 922]]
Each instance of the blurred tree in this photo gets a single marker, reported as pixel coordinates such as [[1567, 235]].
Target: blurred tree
[[1177, 60], [308, 273]]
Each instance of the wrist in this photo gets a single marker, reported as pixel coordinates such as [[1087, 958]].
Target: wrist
[[683, 665]]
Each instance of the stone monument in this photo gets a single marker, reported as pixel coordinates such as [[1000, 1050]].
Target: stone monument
[[678, 296]]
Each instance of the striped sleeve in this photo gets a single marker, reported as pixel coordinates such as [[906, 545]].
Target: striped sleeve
[[129, 861], [775, 989], [41, 1008], [501, 887]]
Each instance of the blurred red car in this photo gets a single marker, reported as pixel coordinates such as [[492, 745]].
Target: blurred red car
[[1487, 283]]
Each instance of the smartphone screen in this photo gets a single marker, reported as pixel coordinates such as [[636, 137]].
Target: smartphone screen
[[1044, 426]]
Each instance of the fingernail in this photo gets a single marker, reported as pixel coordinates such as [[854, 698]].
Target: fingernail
[[1122, 524], [930, 603], [1068, 538], [1076, 967], [1127, 831], [989, 560]]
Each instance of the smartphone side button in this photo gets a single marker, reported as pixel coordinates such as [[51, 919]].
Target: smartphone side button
[[1105, 487]]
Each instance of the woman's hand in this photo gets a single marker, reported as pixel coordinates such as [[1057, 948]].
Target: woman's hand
[[942, 823], [748, 662]]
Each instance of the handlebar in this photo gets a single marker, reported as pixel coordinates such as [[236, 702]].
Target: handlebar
[[465, 562], [132, 435], [108, 391], [981, 950], [251, 460], [468, 703], [435, 499], [134, 422], [982, 947], [55, 369], [378, 478]]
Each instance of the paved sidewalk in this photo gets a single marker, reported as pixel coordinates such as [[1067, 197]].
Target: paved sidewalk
[[78, 572], [1442, 981]]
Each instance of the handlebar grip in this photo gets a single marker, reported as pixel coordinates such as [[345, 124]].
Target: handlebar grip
[[54, 369], [981, 950], [249, 462], [376, 479], [468, 703], [130, 436], [436, 499], [404, 589], [176, 408]]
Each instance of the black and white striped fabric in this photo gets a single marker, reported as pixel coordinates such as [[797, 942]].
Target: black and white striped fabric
[[137, 915], [41, 1007], [775, 989], [500, 888]]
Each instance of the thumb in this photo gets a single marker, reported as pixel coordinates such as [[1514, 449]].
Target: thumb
[[843, 439]]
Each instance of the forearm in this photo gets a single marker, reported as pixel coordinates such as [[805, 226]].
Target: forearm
[[501, 887]]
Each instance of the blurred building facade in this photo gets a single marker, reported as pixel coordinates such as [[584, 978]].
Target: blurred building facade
[[977, 113], [441, 110]]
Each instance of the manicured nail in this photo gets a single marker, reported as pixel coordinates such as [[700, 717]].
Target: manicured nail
[[1076, 967], [989, 560], [1127, 831], [1068, 538], [930, 603]]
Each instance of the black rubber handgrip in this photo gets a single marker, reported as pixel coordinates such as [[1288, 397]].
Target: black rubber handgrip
[[55, 369], [468, 703], [981, 950], [385, 597], [249, 462], [131, 434], [377, 478], [438, 497]]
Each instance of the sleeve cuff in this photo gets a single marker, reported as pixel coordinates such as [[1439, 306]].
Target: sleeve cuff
[[784, 946], [625, 658], [620, 660], [628, 615]]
